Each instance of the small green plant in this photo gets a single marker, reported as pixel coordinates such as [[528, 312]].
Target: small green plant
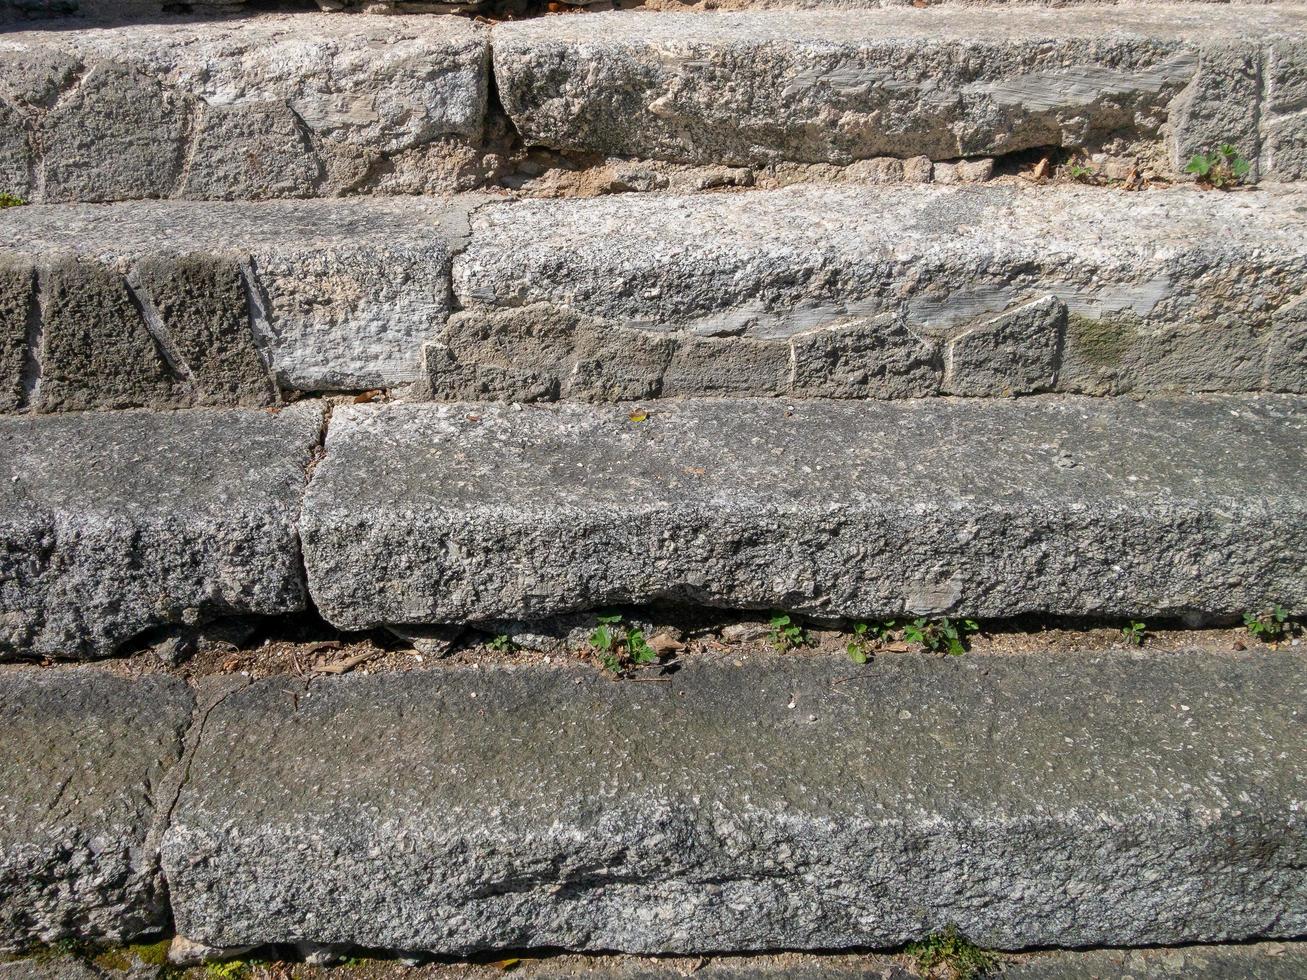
[[1080, 173], [857, 648], [1220, 168], [621, 647], [865, 635], [1270, 625], [951, 952], [786, 634], [1134, 633], [231, 970], [10, 201], [502, 643], [940, 635]]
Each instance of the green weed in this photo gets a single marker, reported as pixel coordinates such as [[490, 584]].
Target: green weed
[[954, 953], [1220, 168], [620, 647]]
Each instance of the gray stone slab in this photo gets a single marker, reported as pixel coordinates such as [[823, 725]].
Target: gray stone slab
[[1264, 961], [176, 304], [114, 523], [268, 106], [879, 292], [791, 802], [981, 507], [83, 756], [947, 81]]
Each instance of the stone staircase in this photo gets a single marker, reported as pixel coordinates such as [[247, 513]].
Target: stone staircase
[[424, 322]]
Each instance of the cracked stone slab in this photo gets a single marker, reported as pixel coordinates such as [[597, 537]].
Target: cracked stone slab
[[882, 292], [270, 106], [182, 303], [949, 81], [83, 756], [1063, 800], [115, 523], [979, 507]]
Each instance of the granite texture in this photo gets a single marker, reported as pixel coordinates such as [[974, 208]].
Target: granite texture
[[271, 106], [85, 757], [112, 523], [787, 802], [1186, 507], [756, 88], [883, 292]]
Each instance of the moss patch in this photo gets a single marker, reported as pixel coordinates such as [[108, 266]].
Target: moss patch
[[1101, 343], [124, 958]]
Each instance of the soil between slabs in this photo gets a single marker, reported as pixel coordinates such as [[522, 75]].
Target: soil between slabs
[[306, 646]]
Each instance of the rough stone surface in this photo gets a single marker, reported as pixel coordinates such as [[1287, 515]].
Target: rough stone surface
[[946, 82], [175, 304], [1015, 353], [16, 297], [1164, 291], [790, 802], [269, 106], [1264, 961], [987, 508], [83, 756], [114, 523]]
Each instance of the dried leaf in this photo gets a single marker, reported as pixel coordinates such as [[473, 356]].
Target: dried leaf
[[372, 395], [663, 643], [349, 663], [508, 964], [638, 416]]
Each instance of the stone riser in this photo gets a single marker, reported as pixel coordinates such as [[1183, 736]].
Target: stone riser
[[1037, 800], [819, 292], [221, 109], [113, 524]]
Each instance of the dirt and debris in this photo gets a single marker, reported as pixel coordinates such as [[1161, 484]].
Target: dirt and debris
[[306, 646]]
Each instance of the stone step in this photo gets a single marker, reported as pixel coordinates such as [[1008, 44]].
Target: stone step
[[1048, 799], [88, 762], [113, 523], [1164, 81], [271, 106], [1186, 507], [1035, 800], [176, 304], [884, 292], [316, 105]]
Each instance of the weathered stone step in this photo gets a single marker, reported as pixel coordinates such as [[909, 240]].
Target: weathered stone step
[[987, 508], [881, 292], [272, 106], [1162, 81], [113, 523], [885, 292], [789, 802], [312, 105], [88, 765], [174, 304]]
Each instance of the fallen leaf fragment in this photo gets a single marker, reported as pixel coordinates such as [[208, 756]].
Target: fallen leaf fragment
[[665, 642], [349, 663], [638, 416]]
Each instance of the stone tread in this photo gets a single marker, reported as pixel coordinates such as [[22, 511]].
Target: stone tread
[[321, 105], [785, 802], [311, 295], [266, 106], [984, 508], [84, 756], [114, 523], [884, 292], [754, 88]]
